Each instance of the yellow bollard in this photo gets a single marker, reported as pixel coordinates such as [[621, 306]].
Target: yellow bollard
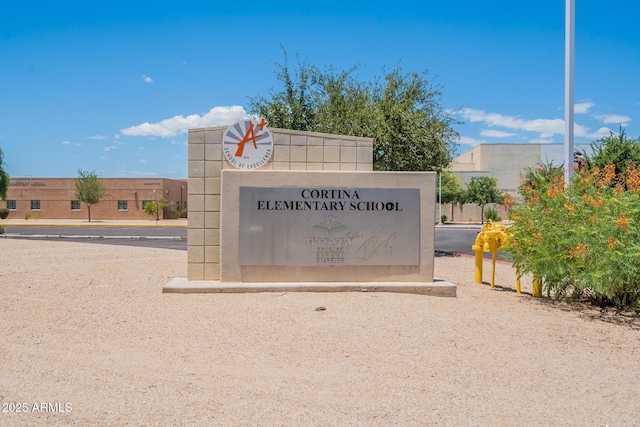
[[490, 239], [479, 260], [536, 290], [493, 263]]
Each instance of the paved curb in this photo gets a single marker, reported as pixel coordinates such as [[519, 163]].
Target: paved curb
[[92, 224], [438, 288], [87, 237]]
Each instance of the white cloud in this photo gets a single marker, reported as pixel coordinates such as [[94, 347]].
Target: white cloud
[[147, 79], [545, 127], [603, 131], [496, 133], [66, 142], [111, 147], [583, 107], [217, 116], [97, 137], [116, 136], [613, 118], [467, 140], [143, 161]]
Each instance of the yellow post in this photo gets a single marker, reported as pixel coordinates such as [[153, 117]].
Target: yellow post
[[536, 291], [478, 250], [493, 265], [518, 285], [491, 238]]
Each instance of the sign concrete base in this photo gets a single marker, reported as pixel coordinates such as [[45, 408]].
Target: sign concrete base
[[437, 288]]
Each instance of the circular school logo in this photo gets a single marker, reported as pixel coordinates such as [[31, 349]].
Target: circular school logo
[[248, 144]]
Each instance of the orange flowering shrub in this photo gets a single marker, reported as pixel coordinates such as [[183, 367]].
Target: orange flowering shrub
[[632, 178], [582, 240], [622, 222]]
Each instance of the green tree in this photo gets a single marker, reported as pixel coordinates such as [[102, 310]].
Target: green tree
[[5, 180], [400, 111], [615, 149], [482, 191], [89, 189], [452, 190], [153, 208], [291, 108]]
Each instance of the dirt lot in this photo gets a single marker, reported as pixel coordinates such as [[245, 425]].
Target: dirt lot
[[89, 339]]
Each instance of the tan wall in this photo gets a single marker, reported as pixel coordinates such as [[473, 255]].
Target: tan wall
[[507, 161], [465, 176], [56, 194], [293, 150], [469, 213], [469, 160]]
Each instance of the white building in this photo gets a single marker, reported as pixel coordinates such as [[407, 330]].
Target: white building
[[505, 162]]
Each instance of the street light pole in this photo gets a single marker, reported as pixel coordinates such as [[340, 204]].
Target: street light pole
[[569, 55], [440, 198]]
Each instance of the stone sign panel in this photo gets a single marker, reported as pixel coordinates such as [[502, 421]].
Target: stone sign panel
[[320, 226]]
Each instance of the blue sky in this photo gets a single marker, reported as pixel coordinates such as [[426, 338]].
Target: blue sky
[[113, 86]]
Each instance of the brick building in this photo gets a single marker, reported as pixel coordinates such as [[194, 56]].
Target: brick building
[[54, 198]]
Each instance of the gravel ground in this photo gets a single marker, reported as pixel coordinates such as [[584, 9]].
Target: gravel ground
[[87, 332]]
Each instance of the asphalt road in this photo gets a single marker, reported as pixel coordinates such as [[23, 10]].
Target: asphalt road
[[155, 237], [448, 239]]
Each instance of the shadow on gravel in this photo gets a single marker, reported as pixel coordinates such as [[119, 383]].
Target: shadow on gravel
[[586, 310]]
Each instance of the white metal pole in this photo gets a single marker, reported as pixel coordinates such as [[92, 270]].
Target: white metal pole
[[440, 198], [569, 54]]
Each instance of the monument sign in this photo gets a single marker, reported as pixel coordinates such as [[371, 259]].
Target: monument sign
[[290, 210]]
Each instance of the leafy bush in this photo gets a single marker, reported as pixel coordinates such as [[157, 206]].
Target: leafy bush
[[1, 229], [492, 214], [582, 241], [483, 190], [4, 213], [443, 219], [154, 208], [616, 149], [27, 216]]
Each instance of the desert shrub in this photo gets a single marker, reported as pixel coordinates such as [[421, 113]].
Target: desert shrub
[[582, 241], [175, 214], [492, 214], [1, 229], [443, 219], [27, 216], [4, 213]]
